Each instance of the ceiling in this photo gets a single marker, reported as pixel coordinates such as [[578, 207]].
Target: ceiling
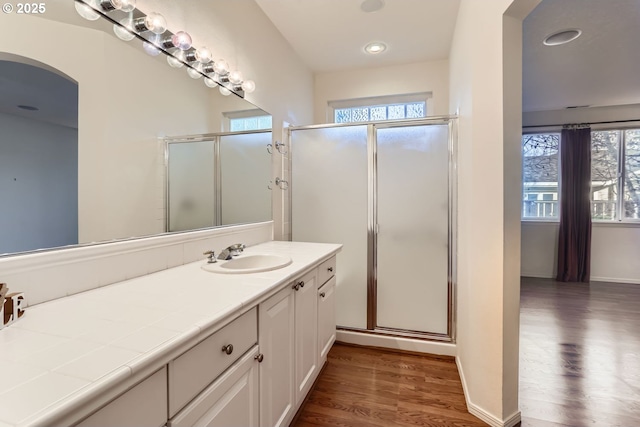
[[600, 68], [55, 97], [330, 35]]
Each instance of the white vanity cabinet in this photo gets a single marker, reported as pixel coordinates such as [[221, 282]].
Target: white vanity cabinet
[[199, 366], [326, 308], [306, 333], [231, 401], [144, 405], [276, 338], [254, 369], [326, 318]]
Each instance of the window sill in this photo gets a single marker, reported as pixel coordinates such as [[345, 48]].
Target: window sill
[[624, 224]]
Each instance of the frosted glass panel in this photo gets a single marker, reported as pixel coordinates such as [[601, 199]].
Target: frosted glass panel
[[413, 228], [329, 204], [245, 169], [191, 185]]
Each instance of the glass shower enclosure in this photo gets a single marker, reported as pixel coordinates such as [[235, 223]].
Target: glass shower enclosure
[[386, 191], [217, 179]]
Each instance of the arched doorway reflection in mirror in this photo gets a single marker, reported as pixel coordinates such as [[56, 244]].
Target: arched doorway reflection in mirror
[[38, 156]]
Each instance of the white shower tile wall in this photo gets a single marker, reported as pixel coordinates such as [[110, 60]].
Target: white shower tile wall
[[48, 275]]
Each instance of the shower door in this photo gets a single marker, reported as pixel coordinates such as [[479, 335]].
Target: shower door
[[245, 170], [385, 191], [329, 186], [191, 185], [412, 239]]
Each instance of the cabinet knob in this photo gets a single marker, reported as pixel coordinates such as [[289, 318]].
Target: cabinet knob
[[259, 357], [330, 269], [296, 286], [228, 348], [301, 283], [322, 294]]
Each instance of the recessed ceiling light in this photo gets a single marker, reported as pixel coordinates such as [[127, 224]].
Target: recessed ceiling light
[[28, 107], [375, 48], [562, 37], [369, 6]]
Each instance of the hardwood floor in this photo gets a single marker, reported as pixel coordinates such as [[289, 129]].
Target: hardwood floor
[[579, 366], [579, 354], [371, 387]]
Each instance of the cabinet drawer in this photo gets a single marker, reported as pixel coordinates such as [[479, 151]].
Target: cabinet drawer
[[143, 405], [231, 401], [326, 270], [191, 372]]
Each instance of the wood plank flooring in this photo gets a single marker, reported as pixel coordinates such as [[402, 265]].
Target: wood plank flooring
[[371, 387], [579, 354], [579, 366]]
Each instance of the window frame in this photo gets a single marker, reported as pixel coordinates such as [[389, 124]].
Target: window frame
[[540, 219], [385, 100], [620, 221], [244, 114]]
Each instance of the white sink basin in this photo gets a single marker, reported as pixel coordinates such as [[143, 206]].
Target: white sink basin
[[248, 264]]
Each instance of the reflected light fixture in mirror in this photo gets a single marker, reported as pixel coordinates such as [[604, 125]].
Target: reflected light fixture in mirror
[[129, 23]]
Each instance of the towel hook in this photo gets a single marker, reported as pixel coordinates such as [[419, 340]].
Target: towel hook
[[280, 147]]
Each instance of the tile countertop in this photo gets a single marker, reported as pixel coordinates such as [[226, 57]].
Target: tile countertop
[[65, 352]]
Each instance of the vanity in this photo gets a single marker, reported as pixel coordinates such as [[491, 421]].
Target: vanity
[[179, 347]]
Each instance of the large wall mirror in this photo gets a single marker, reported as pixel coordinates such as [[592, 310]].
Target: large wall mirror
[[84, 119]]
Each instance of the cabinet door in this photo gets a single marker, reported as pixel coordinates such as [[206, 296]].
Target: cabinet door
[[326, 318], [276, 370], [306, 333], [231, 401]]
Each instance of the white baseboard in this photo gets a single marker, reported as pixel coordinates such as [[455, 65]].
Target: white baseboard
[[615, 280], [593, 278], [477, 411], [536, 275], [396, 343]]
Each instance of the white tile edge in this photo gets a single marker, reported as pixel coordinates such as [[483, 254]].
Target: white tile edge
[[15, 264]]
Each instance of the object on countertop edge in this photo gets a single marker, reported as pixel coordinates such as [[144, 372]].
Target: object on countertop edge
[[11, 306]]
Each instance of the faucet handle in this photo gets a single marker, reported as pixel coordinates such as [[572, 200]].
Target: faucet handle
[[211, 258], [236, 249]]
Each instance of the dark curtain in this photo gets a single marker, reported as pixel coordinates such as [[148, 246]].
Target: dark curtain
[[574, 243]]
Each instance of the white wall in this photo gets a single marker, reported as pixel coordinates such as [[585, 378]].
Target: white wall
[[485, 47], [38, 184], [615, 248], [427, 76]]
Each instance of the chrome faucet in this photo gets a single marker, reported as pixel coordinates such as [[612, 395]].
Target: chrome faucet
[[233, 250]]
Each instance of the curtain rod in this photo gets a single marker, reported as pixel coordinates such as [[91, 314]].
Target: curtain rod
[[592, 123]]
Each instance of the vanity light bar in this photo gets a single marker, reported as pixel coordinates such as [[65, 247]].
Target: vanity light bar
[[130, 22]]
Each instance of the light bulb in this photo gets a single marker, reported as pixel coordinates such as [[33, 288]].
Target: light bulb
[[181, 40], [86, 11], [174, 62], [153, 22], [210, 82], [150, 49], [221, 67], [235, 77], [203, 55], [128, 5], [248, 86], [124, 30], [123, 5], [193, 73], [224, 91]]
